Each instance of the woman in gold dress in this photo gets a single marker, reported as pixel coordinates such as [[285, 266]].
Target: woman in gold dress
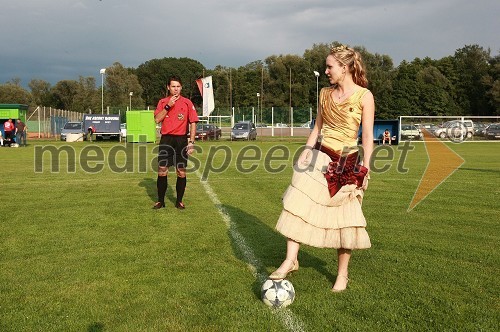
[[322, 205]]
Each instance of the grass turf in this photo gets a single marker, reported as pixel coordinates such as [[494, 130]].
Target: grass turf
[[84, 251]]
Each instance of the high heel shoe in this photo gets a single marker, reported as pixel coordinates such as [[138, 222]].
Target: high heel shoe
[[280, 275], [334, 290], [158, 205]]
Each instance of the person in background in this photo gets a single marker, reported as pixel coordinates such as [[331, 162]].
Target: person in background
[[386, 137], [90, 132], [322, 206], [8, 129], [177, 116], [20, 132]]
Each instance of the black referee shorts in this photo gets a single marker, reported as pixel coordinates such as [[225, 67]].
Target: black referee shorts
[[173, 151]]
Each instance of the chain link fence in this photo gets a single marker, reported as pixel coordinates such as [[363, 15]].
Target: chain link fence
[[47, 122], [267, 116], [452, 128]]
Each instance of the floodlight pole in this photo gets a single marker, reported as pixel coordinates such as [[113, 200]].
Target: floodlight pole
[[103, 71], [317, 89], [258, 97], [130, 100]]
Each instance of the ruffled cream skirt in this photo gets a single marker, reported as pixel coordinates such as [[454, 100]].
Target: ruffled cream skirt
[[310, 216]]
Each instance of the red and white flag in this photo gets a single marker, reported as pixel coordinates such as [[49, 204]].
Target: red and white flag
[[207, 92]]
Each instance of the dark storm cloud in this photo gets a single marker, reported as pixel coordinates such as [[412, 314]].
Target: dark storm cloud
[[64, 39]]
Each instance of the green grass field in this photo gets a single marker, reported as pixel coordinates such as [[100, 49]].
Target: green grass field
[[84, 251]]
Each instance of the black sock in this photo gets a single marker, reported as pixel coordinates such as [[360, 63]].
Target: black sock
[[161, 185], [180, 187]]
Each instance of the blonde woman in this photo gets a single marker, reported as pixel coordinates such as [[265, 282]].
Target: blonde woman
[[322, 206]]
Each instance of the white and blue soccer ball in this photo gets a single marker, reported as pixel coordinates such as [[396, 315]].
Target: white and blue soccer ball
[[277, 293]]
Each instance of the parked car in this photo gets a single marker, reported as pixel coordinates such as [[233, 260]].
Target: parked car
[[410, 132], [479, 128], [244, 130], [306, 125], [428, 126], [492, 131], [207, 131], [455, 129], [280, 125], [72, 128]]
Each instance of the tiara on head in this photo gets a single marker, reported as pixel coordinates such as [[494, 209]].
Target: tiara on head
[[338, 48]]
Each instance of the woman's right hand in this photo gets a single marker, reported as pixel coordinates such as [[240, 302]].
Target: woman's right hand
[[305, 157]]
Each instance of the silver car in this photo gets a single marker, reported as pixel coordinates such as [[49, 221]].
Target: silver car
[[72, 128], [455, 129], [244, 130]]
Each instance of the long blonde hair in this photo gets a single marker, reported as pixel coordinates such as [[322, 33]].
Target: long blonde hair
[[352, 59]]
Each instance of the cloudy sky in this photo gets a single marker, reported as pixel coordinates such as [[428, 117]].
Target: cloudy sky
[[57, 40]]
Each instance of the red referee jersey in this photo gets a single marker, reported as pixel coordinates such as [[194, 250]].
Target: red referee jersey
[[178, 117]]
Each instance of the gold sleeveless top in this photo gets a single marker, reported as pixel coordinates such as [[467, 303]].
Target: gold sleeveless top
[[341, 120]]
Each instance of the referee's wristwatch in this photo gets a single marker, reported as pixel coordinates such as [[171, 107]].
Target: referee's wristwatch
[[190, 142]]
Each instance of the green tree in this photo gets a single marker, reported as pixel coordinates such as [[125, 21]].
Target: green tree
[[492, 82], [380, 73], [466, 83], [405, 90], [472, 65], [13, 93], [64, 93], [434, 97], [246, 84], [40, 91], [222, 84], [316, 58], [290, 84], [153, 76], [87, 98], [290, 80], [120, 81]]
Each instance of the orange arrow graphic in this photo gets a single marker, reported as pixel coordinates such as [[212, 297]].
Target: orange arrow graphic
[[443, 162]]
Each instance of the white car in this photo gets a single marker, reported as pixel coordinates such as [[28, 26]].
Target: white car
[[455, 129], [306, 125], [72, 127], [410, 132]]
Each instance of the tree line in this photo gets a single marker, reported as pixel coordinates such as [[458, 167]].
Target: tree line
[[466, 83]]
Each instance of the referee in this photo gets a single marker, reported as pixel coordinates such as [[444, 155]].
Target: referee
[[176, 114]]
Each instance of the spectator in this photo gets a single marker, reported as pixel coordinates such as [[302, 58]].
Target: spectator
[[8, 128], [91, 131], [386, 137], [20, 132]]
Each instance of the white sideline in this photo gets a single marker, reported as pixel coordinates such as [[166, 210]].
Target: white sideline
[[286, 316]]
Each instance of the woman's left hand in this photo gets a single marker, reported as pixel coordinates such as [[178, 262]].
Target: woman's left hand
[[364, 186]]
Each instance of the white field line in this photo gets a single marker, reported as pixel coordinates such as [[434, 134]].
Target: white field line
[[287, 318]]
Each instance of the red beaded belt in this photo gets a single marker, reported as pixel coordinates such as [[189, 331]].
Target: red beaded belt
[[342, 170]]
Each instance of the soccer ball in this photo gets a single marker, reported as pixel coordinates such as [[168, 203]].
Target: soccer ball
[[277, 293]]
